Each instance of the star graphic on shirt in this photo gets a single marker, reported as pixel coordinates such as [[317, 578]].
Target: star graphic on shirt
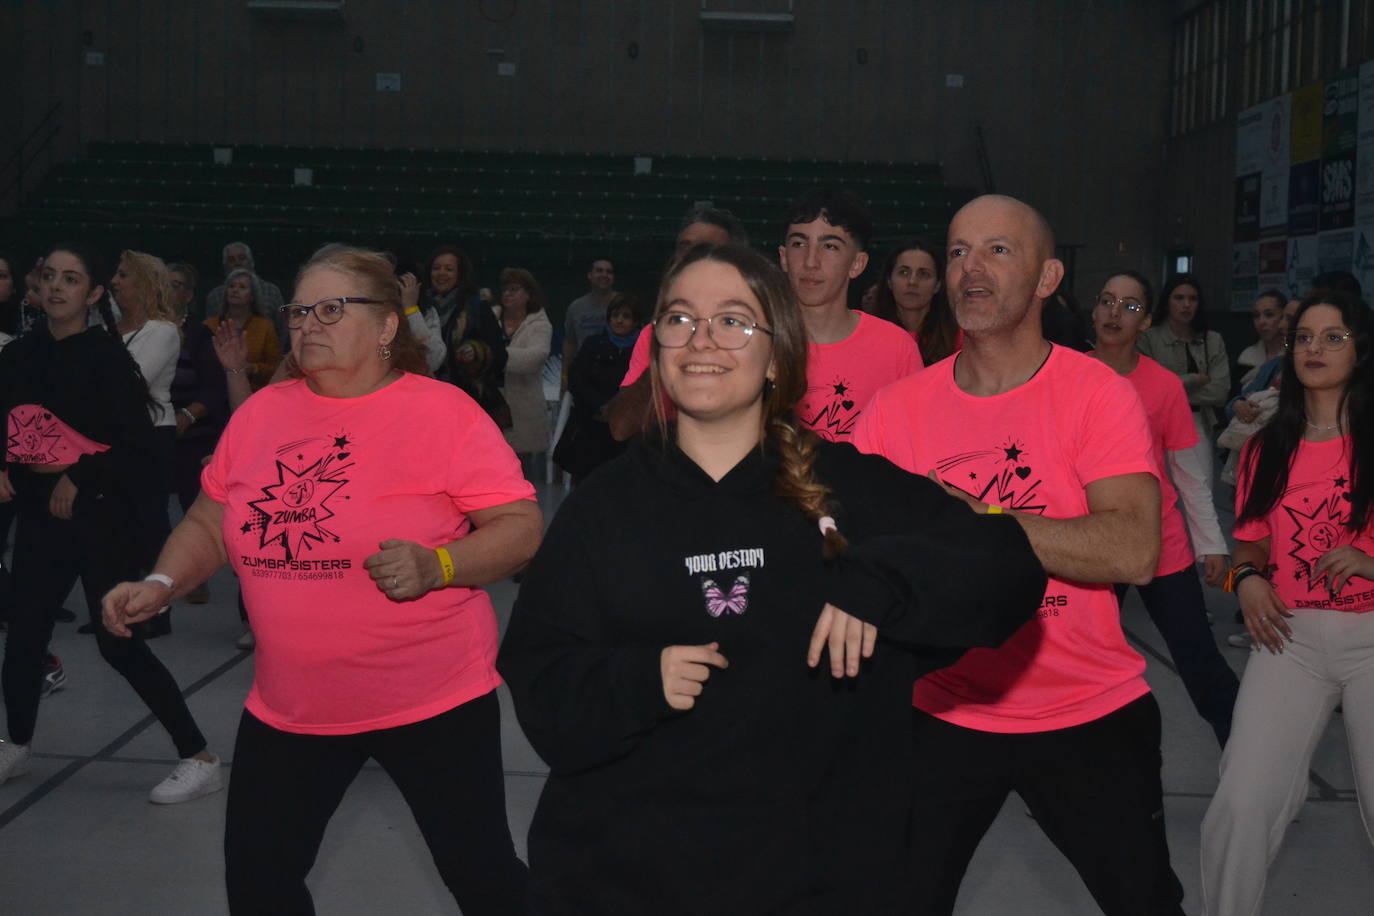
[[1340, 481], [972, 476], [341, 441], [841, 387], [1013, 453], [247, 527]]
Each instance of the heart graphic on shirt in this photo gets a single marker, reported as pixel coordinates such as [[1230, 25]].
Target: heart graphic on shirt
[[47, 416], [1023, 472], [342, 455], [1345, 496], [847, 405]]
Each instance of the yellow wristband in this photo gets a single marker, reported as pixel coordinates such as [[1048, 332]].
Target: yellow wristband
[[446, 562], [994, 510], [412, 310]]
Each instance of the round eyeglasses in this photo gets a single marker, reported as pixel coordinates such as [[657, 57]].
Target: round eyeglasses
[[1326, 340], [1108, 301], [326, 311], [728, 330]]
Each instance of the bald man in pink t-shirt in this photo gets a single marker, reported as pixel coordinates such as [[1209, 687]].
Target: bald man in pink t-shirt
[[1060, 713]]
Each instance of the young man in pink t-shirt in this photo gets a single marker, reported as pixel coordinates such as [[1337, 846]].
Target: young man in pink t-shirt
[[1060, 713], [852, 354]]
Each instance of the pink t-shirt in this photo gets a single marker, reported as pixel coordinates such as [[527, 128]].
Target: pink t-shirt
[[1172, 429], [311, 486], [841, 377], [1034, 448], [1309, 519], [38, 436]]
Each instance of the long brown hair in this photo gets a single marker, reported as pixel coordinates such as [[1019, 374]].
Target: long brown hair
[[938, 335], [797, 446], [373, 272]]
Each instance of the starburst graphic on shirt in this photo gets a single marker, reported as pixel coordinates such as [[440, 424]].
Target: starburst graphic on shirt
[[840, 413], [33, 440], [1318, 528], [292, 512], [1006, 478]]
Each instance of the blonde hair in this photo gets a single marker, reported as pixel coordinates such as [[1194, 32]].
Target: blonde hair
[[797, 446], [154, 284]]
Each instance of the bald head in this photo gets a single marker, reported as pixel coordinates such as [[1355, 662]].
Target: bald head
[[1001, 264], [1003, 209]]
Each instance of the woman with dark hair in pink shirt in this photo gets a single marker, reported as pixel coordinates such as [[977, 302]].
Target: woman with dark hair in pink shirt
[[361, 505]]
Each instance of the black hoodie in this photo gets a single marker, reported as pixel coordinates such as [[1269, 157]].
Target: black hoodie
[[782, 790]]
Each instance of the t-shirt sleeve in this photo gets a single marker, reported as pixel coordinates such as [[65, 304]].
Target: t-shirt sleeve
[[911, 358], [868, 432], [483, 471], [1114, 434], [570, 322], [1179, 432], [214, 479], [639, 358]]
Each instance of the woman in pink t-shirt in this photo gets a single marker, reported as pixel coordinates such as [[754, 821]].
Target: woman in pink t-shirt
[[362, 505], [1174, 597], [1305, 580]]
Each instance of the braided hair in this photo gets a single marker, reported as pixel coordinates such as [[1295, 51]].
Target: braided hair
[[797, 446]]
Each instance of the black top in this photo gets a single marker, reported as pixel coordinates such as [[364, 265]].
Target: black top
[[731, 806], [88, 381], [200, 379]]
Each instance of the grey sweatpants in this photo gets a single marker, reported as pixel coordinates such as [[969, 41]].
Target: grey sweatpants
[[1284, 706]]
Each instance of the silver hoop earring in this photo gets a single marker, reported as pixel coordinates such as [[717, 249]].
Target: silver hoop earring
[[384, 351]]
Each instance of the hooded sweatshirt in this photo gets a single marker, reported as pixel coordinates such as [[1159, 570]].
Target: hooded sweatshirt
[[782, 790]]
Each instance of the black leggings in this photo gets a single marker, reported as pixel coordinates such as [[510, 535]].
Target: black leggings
[[49, 555], [285, 787]]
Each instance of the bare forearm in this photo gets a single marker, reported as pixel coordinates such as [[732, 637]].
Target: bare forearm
[[195, 549], [628, 412], [1256, 553], [1109, 546], [498, 548]]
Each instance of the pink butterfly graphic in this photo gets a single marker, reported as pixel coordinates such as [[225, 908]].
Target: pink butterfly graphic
[[717, 602]]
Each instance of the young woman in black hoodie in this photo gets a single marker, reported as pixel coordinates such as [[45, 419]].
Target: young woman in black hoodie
[[77, 466], [663, 650]]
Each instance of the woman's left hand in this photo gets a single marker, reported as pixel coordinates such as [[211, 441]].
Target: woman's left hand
[[405, 569], [1214, 569], [1340, 563], [63, 498], [848, 639]]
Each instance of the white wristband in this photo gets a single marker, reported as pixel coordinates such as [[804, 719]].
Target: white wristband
[[162, 580]]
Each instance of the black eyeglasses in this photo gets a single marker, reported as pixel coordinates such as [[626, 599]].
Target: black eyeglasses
[[728, 330], [327, 311]]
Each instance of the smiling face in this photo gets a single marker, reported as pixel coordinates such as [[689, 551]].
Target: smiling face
[[350, 344], [705, 382], [999, 264], [238, 292], [65, 289], [621, 322], [443, 273], [126, 289], [820, 259], [514, 296], [913, 280], [1318, 364], [602, 276], [1114, 322]]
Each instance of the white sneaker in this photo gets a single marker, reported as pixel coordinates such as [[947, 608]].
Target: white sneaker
[[191, 779], [1240, 640], [14, 760], [246, 641]]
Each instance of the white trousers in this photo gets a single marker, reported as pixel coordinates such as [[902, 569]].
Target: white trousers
[[1284, 706]]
